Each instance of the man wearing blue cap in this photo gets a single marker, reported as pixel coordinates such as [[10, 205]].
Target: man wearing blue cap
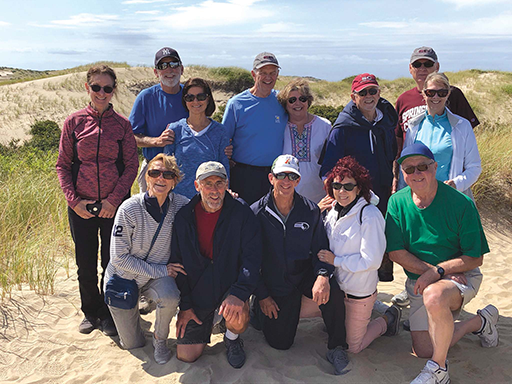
[[434, 232]]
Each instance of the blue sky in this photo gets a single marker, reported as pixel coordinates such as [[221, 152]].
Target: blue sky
[[325, 39]]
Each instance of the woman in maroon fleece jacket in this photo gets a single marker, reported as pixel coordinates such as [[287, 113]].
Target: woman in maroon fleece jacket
[[97, 165]]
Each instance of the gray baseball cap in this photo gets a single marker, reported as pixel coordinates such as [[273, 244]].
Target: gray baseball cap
[[265, 58], [211, 168], [427, 53]]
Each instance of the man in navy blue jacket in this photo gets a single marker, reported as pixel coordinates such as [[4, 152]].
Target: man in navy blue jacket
[[218, 241], [293, 233]]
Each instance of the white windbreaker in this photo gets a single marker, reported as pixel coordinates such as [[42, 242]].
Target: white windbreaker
[[358, 247]]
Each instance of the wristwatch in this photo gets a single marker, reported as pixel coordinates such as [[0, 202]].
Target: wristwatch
[[324, 272], [440, 270]]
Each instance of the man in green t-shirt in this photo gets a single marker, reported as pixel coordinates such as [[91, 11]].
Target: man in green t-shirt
[[434, 232]]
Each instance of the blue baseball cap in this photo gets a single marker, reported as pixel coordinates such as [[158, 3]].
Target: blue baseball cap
[[417, 149]]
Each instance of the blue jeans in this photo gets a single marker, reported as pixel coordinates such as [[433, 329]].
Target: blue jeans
[[165, 294]]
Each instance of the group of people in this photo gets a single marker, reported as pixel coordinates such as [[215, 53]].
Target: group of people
[[274, 215]]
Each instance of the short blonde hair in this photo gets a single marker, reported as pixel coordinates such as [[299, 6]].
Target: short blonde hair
[[437, 77], [169, 163], [300, 85]]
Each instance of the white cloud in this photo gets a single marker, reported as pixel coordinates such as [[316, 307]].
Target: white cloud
[[212, 13], [4, 24], [471, 3], [147, 12], [387, 24], [85, 19], [142, 1], [281, 27]]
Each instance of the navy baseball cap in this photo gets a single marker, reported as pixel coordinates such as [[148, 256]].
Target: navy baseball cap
[[166, 52], [417, 149]]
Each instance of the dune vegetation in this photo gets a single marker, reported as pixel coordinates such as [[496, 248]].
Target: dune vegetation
[[34, 233]]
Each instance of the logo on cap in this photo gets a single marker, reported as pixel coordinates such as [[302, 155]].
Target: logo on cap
[[165, 51]]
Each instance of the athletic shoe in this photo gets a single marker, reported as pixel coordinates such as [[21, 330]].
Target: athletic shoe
[[394, 314], [380, 307], [432, 373], [407, 325], [108, 327], [235, 352], [339, 359], [489, 333], [162, 353], [88, 325], [401, 299]]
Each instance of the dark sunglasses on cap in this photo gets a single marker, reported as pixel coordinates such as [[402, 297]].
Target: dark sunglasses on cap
[[155, 173], [97, 88], [172, 65], [293, 99], [426, 64], [371, 91], [432, 92], [421, 167], [347, 187], [283, 175], [189, 97]]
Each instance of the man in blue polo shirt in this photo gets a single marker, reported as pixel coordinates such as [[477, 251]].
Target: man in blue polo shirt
[[255, 122], [156, 107]]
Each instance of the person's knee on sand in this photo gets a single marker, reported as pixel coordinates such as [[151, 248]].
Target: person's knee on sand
[[422, 344], [189, 353]]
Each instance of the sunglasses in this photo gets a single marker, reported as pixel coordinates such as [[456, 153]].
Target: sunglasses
[[293, 99], [347, 187], [155, 173], [432, 92], [426, 64], [371, 91], [189, 97], [172, 65], [283, 175], [422, 168], [97, 88]]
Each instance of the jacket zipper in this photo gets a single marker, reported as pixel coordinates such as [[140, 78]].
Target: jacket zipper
[[97, 158]]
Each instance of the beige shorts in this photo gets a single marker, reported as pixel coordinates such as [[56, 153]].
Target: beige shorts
[[418, 317]]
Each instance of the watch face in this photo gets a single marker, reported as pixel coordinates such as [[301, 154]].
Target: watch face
[[440, 270]]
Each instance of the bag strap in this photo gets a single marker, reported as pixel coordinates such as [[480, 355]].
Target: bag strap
[[157, 232], [361, 213]]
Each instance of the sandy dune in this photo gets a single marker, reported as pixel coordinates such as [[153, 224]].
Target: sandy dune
[[39, 343]]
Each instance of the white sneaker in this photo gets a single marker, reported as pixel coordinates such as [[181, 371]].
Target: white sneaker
[[401, 299], [489, 334], [162, 353], [432, 374]]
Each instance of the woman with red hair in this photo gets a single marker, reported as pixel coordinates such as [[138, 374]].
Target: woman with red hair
[[355, 227]]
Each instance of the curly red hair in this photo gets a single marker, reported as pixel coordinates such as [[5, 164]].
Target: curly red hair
[[349, 167]]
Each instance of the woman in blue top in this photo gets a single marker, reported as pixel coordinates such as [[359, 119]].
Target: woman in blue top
[[197, 138]]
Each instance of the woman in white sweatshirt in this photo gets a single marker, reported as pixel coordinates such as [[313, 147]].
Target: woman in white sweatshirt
[[355, 228]]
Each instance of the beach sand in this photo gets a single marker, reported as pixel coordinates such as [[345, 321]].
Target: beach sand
[[39, 342]]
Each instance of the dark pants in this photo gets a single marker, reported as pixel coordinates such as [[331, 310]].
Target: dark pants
[[85, 236], [250, 182], [280, 332]]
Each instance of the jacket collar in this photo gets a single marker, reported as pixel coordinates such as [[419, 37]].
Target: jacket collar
[[94, 113], [452, 118]]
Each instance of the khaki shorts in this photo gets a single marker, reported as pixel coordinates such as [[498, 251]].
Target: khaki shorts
[[418, 317]]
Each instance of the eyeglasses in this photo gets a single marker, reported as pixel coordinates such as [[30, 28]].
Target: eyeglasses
[[421, 168], [172, 65], [189, 97], [293, 99], [371, 91], [97, 88], [211, 185], [283, 175], [347, 187], [155, 173], [426, 64], [432, 92]]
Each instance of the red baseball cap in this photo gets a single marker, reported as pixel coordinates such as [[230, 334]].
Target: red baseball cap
[[362, 81]]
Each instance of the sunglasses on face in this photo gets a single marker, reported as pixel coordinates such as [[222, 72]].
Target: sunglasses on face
[[293, 99], [189, 97], [347, 187], [172, 65], [283, 175], [97, 88], [432, 92], [426, 64], [155, 173], [421, 168], [371, 91]]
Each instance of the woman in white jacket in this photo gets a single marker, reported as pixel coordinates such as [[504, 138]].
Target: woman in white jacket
[[450, 137], [355, 228]]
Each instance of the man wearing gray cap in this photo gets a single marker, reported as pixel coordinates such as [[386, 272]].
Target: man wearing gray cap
[[217, 240], [255, 121], [434, 232], [157, 106]]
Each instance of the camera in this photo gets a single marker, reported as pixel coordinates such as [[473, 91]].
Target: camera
[[94, 208]]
